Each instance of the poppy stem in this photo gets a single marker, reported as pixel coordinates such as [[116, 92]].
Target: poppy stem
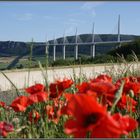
[[88, 134], [118, 95], [18, 92]]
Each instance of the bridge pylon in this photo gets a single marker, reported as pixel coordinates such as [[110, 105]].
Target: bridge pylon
[[64, 47], [76, 46], [119, 35], [93, 42], [54, 49]]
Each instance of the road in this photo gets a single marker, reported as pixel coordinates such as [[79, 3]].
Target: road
[[20, 77]]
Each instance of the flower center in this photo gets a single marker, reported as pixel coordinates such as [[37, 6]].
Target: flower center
[[92, 119]]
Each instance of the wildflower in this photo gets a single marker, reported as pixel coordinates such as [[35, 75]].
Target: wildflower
[[34, 116], [102, 78], [38, 97], [104, 90], [35, 89], [2, 104], [89, 116], [126, 123], [130, 84], [127, 103], [20, 104], [68, 96], [57, 88], [83, 88], [5, 128], [53, 113]]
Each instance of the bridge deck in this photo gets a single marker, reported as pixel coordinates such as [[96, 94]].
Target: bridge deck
[[87, 43]]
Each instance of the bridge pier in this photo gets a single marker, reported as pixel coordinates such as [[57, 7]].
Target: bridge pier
[[76, 52], [118, 45], [93, 51], [54, 52], [64, 52]]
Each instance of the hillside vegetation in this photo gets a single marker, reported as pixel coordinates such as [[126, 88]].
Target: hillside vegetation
[[17, 54], [127, 49], [10, 48]]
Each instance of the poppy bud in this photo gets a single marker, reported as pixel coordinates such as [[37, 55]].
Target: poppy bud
[[131, 93]]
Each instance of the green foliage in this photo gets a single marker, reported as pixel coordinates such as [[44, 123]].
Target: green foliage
[[104, 59], [127, 49]]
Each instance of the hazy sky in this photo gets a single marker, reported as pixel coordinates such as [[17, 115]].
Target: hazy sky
[[22, 21]]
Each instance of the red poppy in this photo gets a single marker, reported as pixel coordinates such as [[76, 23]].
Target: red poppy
[[53, 113], [5, 128], [35, 89], [53, 90], [38, 97], [130, 84], [83, 88], [104, 90], [57, 88], [42, 96], [138, 79], [103, 87], [2, 104], [32, 99], [126, 123], [20, 104], [127, 103], [133, 79], [89, 116], [34, 116], [102, 78], [68, 96]]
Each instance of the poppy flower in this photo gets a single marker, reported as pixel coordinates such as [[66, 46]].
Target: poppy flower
[[103, 87], [57, 88], [126, 123], [127, 103], [68, 96], [32, 99], [20, 104], [5, 128], [101, 78], [35, 89], [53, 113], [138, 79], [130, 84], [42, 96], [38, 97], [104, 90], [83, 88], [53, 90], [87, 115], [2, 104], [34, 116]]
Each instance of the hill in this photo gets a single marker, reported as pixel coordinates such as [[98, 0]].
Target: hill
[[12, 48]]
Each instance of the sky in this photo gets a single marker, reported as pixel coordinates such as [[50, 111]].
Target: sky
[[41, 21]]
